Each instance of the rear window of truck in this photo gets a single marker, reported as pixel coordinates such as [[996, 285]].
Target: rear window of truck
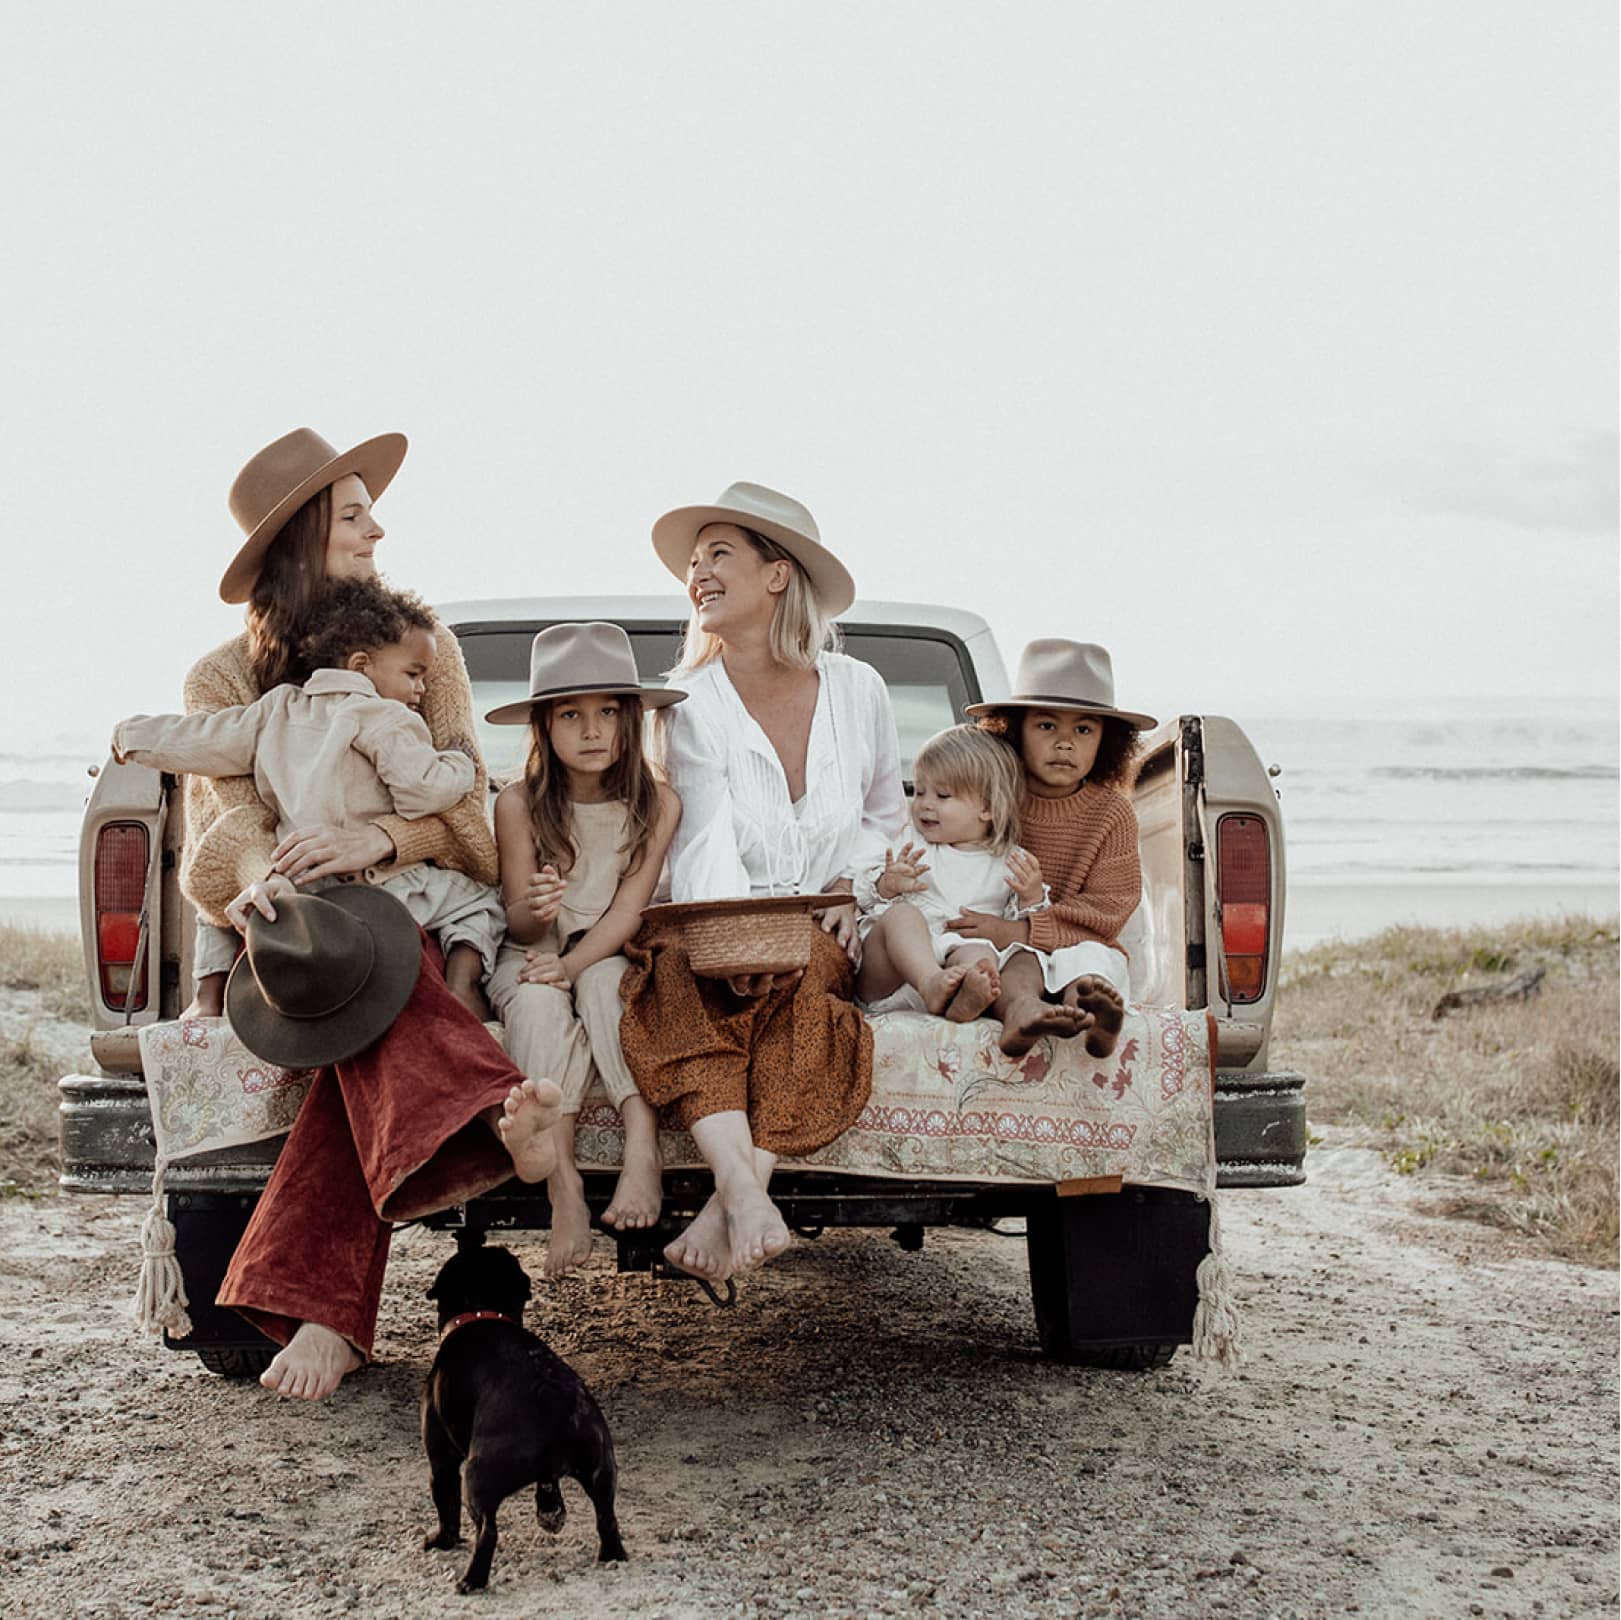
[[929, 675]]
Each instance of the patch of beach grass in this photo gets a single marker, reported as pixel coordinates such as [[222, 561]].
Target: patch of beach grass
[[1520, 1097], [29, 1157], [51, 963]]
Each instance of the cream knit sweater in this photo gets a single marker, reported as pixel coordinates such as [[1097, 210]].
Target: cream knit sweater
[[231, 832]]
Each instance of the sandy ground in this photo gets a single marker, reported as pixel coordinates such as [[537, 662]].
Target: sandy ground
[[1425, 1424]]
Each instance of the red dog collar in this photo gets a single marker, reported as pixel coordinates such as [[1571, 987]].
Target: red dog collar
[[472, 1316]]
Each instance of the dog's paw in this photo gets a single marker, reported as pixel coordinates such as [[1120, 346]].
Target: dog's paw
[[439, 1540], [469, 1584]]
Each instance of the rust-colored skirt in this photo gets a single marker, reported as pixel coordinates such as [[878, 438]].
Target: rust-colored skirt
[[798, 1061]]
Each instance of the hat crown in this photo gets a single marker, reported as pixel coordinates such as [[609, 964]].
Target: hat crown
[[275, 472], [771, 506], [1074, 674], [591, 657], [312, 960]]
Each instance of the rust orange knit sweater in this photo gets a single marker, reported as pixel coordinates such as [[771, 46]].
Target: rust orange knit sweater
[[231, 835], [1087, 846]]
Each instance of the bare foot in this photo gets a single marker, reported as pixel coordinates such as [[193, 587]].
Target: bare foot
[[1027, 1020], [638, 1198], [981, 985], [938, 990], [311, 1365], [756, 1228], [1104, 1008], [524, 1125], [570, 1243], [702, 1247]]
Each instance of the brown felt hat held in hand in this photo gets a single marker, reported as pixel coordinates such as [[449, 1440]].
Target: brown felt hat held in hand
[[326, 978]]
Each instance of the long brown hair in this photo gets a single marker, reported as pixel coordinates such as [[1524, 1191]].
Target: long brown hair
[[291, 581], [630, 779]]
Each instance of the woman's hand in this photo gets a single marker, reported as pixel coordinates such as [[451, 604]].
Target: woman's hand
[[544, 967], [840, 922], [1024, 874], [999, 931], [751, 985], [260, 897], [544, 894], [308, 853], [903, 873]]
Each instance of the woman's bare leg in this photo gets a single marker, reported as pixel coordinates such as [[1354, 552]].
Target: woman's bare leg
[[898, 950], [570, 1243], [311, 1364], [638, 1198], [1025, 1016], [739, 1228]]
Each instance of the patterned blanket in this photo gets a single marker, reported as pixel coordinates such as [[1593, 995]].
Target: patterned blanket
[[946, 1104]]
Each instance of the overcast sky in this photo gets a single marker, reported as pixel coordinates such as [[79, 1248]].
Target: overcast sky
[[1272, 345]]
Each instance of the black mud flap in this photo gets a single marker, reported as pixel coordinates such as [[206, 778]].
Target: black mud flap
[[207, 1227], [1112, 1276]]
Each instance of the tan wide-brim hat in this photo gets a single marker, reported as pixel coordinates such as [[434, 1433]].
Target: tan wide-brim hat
[[778, 517], [326, 978], [277, 481], [1057, 674], [569, 660]]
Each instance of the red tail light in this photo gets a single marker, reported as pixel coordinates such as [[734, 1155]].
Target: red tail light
[[121, 861], [1244, 884]]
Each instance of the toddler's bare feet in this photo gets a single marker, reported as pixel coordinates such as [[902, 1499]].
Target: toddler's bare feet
[[981, 985], [702, 1248], [938, 990], [311, 1364], [638, 1198], [755, 1225], [1104, 1008], [524, 1124], [1029, 1018], [570, 1243]]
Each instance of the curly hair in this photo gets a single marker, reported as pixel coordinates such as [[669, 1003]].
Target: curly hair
[[1117, 750], [359, 615]]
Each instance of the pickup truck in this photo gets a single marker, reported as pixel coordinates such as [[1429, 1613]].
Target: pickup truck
[[1112, 1277]]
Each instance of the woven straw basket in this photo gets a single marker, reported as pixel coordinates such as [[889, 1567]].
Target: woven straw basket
[[728, 938]]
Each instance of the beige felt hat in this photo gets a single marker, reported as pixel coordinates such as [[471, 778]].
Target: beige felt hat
[[570, 659], [326, 978], [778, 517], [1056, 674], [277, 481]]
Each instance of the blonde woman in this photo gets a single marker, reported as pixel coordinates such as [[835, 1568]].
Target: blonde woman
[[965, 808], [785, 759]]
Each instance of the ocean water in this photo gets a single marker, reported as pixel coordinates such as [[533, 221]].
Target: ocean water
[[1512, 797]]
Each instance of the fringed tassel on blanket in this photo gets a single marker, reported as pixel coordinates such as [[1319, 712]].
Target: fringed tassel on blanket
[[1215, 1319], [160, 1301]]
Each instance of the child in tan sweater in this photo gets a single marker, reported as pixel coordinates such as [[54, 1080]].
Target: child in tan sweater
[[1071, 978]]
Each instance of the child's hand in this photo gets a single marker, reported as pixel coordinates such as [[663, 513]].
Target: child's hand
[[1024, 873], [544, 895], [544, 967], [903, 873]]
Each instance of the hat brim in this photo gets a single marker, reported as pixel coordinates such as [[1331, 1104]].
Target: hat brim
[[675, 534], [1143, 722], [517, 714], [377, 460], [309, 1043]]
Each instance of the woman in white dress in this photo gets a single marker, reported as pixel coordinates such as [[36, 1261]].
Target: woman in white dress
[[785, 759]]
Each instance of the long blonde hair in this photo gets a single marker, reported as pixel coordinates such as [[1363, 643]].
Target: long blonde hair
[[630, 779], [966, 759], [801, 629]]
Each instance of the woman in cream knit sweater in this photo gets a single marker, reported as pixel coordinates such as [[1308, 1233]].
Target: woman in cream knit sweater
[[430, 1113]]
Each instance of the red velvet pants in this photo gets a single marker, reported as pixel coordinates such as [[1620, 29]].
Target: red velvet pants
[[386, 1135]]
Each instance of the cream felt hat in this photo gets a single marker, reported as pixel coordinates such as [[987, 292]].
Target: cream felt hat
[[566, 660], [1057, 674], [277, 481], [778, 517]]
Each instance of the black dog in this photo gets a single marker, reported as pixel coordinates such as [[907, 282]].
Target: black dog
[[497, 1399]]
